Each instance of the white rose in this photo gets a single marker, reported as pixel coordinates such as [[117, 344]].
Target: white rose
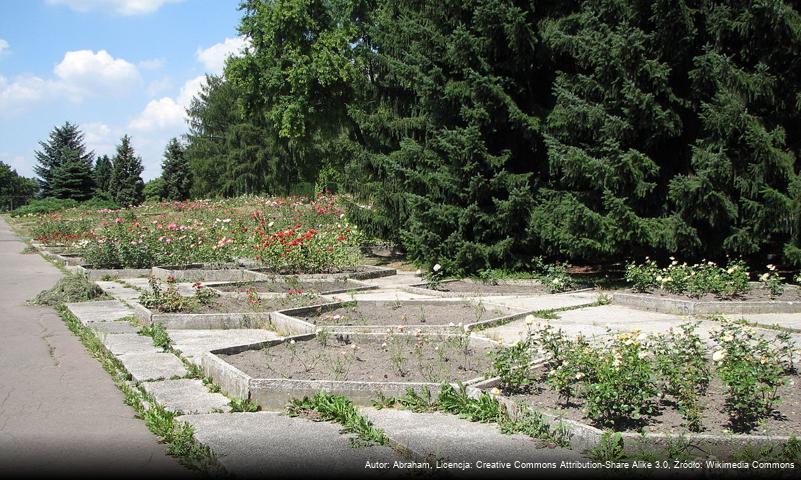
[[719, 355], [437, 267]]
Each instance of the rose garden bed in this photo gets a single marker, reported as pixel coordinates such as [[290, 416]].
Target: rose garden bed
[[360, 366], [206, 273], [357, 272], [378, 316]]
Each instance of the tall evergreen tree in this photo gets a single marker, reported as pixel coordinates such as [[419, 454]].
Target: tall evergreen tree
[[126, 184], [72, 178], [102, 174], [175, 172], [63, 139]]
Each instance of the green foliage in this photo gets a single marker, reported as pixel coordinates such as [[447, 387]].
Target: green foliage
[[692, 280], [175, 172], [44, 205], [609, 449], [102, 174], [159, 334], [153, 191], [243, 405], [337, 408], [14, 189], [751, 367], [126, 184], [65, 144], [73, 287]]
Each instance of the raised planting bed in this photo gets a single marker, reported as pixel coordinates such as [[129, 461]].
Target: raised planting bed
[[69, 258], [377, 316], [93, 273], [469, 287], [665, 426], [360, 366], [199, 272], [757, 300], [356, 272], [224, 312], [284, 284]]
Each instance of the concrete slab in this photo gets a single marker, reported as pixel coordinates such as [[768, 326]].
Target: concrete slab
[[117, 290], [400, 279], [448, 437], [153, 366], [192, 343], [544, 302], [102, 311], [259, 444], [122, 343], [186, 396], [113, 327], [784, 320]]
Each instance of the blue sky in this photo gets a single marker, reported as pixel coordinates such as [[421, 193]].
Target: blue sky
[[110, 66]]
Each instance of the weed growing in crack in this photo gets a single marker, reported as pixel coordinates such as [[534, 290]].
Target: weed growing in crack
[[339, 409]]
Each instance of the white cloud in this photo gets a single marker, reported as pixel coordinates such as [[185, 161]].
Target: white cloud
[[86, 73], [152, 64], [167, 113], [80, 74], [213, 58], [101, 138], [158, 86], [3, 46], [120, 7]]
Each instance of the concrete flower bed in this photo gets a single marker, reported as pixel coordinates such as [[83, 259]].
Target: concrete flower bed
[[584, 436], [377, 316], [359, 366], [224, 313], [757, 301], [103, 273], [356, 272], [282, 284], [199, 272]]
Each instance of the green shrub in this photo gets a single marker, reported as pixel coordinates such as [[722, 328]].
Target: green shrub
[[44, 205]]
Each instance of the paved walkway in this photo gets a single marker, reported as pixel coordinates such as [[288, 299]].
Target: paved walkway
[[60, 412]]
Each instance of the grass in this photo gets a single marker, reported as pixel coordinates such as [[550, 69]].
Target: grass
[[72, 287], [159, 334], [178, 436], [339, 409]]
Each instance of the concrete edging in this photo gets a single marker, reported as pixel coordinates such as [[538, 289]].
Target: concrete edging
[[202, 321], [677, 306]]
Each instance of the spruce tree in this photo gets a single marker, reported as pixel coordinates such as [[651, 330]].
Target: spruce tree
[[66, 138], [176, 175], [126, 184], [102, 174], [73, 178]]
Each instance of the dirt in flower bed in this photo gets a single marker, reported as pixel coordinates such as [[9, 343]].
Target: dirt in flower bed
[[406, 313], [479, 288], [223, 304], [324, 271], [666, 418], [283, 286], [757, 294], [383, 358]]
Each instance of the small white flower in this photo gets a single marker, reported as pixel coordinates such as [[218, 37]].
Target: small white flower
[[718, 356], [579, 376], [291, 342], [271, 224], [529, 319], [437, 267], [495, 391], [418, 272], [771, 267]]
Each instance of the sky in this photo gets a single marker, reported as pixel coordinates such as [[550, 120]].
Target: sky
[[113, 67]]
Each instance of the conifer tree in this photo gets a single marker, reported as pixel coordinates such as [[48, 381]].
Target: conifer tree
[[176, 176], [62, 140], [102, 174], [126, 184], [72, 179]]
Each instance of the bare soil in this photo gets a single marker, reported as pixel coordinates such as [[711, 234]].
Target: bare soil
[[345, 270], [790, 294], [400, 313], [242, 305], [283, 286], [479, 288], [389, 358], [666, 418]]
